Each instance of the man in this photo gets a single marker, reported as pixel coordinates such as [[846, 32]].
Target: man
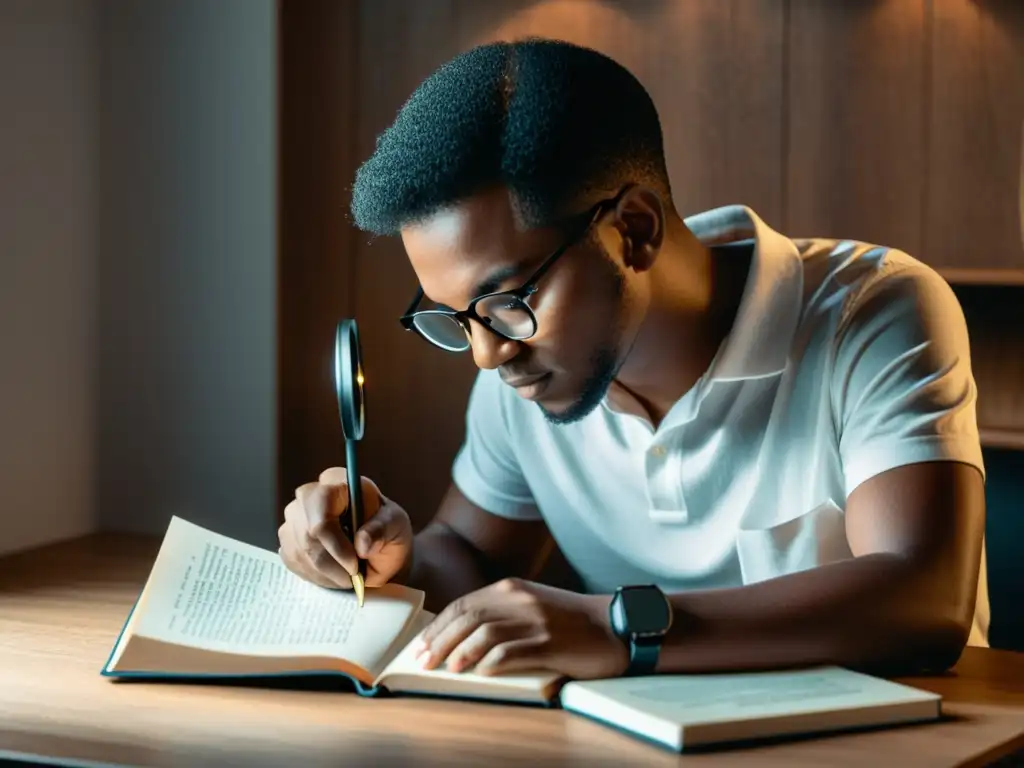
[[755, 452]]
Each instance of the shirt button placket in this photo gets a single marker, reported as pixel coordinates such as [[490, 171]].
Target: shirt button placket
[[665, 507]]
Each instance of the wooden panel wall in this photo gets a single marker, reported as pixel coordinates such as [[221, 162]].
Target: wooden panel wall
[[895, 121], [416, 395], [856, 105], [317, 103], [713, 67], [975, 208]]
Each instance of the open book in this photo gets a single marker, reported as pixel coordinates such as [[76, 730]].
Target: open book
[[217, 607], [214, 606]]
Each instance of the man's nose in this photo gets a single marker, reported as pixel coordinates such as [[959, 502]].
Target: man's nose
[[489, 349]]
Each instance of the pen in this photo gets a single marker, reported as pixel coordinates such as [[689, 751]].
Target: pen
[[348, 383], [355, 511]]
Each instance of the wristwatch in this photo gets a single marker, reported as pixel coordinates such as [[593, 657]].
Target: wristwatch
[[641, 617]]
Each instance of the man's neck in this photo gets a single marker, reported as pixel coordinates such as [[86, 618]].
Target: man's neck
[[695, 295]]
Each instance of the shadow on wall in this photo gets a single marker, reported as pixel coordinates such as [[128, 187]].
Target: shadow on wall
[[1005, 546]]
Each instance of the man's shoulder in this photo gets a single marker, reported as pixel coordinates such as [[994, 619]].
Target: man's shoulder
[[848, 283]]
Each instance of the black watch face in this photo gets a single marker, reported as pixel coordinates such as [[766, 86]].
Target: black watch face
[[645, 610]]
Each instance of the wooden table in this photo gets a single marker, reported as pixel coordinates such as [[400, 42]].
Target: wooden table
[[61, 608]]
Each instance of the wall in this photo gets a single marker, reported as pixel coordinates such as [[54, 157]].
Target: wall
[[187, 266], [318, 110], [48, 181]]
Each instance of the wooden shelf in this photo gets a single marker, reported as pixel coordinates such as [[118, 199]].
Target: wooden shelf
[[970, 276], [1002, 438]]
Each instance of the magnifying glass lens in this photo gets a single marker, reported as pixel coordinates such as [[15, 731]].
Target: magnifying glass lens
[[348, 374]]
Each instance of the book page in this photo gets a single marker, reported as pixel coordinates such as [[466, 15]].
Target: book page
[[404, 674], [212, 592], [689, 698]]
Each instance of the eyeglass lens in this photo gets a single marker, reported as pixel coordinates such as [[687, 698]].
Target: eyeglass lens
[[507, 315]]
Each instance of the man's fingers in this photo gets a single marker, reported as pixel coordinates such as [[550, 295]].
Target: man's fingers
[[442, 620], [338, 477], [525, 654], [323, 506], [306, 570], [313, 558], [461, 624], [334, 476], [295, 559], [482, 640], [319, 532], [385, 543], [386, 526], [315, 555]]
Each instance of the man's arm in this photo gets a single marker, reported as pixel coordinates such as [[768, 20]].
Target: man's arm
[[903, 399], [904, 603], [468, 546], [465, 548]]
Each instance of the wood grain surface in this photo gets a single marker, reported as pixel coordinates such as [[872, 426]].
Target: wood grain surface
[[62, 607]]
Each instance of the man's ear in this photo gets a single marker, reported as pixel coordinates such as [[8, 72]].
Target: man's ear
[[640, 219]]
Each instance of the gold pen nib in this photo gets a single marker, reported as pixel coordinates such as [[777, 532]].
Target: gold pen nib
[[359, 587]]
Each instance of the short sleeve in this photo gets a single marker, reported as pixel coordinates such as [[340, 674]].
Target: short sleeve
[[902, 389], [486, 469]]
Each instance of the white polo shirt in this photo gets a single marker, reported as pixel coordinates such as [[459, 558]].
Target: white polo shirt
[[846, 359]]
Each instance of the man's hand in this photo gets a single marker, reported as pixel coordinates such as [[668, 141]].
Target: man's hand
[[314, 547], [517, 625]]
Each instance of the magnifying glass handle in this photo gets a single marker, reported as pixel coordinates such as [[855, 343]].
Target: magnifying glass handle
[[355, 513]]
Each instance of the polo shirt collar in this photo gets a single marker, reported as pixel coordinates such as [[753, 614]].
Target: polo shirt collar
[[758, 343]]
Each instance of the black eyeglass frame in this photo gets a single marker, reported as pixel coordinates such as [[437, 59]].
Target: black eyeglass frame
[[520, 294]]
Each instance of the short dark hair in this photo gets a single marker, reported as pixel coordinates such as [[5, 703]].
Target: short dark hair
[[554, 122]]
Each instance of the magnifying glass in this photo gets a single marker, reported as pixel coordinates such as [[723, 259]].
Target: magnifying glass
[[348, 384]]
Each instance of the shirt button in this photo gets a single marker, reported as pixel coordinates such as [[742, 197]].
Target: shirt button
[[658, 451]]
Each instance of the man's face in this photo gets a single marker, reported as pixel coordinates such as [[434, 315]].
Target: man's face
[[587, 304]]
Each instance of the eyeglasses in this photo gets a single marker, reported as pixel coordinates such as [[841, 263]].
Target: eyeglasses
[[504, 313]]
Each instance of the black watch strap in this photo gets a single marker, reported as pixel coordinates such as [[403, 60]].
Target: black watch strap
[[643, 655]]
